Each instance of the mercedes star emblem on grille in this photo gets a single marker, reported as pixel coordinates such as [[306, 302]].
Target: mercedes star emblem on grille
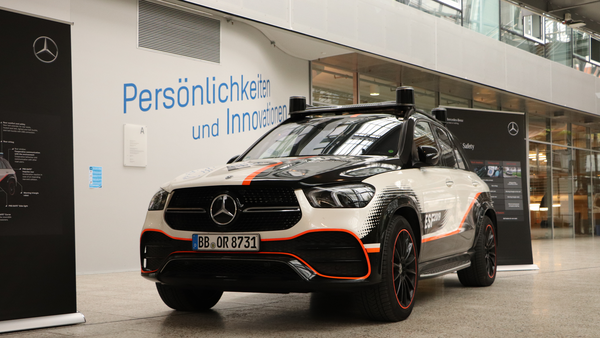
[[223, 209], [45, 49]]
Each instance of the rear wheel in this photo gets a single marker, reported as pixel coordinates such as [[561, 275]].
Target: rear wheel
[[482, 271], [393, 298], [183, 299]]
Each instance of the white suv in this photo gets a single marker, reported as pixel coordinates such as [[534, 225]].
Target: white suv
[[362, 198]]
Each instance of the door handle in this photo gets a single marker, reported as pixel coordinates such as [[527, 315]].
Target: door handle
[[449, 183]]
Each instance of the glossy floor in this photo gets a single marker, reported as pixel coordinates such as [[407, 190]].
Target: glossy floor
[[562, 299]]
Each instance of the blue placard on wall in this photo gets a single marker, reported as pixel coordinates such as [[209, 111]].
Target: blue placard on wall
[[95, 177]]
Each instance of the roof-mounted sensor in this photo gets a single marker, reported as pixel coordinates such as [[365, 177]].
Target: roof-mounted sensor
[[405, 102]]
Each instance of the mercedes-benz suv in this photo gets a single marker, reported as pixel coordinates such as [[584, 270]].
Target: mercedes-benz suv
[[364, 198]]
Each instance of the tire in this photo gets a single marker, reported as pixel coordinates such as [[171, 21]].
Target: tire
[[12, 187], [393, 299], [482, 271], [182, 299]]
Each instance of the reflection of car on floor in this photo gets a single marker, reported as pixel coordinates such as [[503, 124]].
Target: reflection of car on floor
[[8, 178], [363, 198]]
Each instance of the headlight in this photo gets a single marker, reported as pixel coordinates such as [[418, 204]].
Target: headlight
[[341, 196], [158, 200]]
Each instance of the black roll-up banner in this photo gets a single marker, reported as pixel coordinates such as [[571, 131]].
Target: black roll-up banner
[[37, 235], [495, 144]]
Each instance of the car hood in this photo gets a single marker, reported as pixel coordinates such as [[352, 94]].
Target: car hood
[[304, 171]]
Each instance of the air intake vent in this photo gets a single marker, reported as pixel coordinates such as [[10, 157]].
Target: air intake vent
[[178, 32]]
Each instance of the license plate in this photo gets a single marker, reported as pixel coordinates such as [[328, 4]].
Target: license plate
[[229, 242]]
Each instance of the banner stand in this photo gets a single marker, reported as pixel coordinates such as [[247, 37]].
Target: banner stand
[[37, 203], [41, 322]]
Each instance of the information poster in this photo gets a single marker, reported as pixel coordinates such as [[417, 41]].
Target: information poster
[[495, 144], [37, 240]]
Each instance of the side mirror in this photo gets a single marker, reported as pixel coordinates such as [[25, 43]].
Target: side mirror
[[428, 155], [231, 160]]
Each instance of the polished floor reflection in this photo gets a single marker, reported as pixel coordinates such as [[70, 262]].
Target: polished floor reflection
[[559, 300]]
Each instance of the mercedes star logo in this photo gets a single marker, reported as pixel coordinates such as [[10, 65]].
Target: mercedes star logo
[[45, 49], [223, 209], [513, 128]]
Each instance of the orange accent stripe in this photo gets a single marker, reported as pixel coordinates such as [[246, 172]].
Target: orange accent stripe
[[278, 253], [461, 223], [373, 250], [166, 234], [253, 175]]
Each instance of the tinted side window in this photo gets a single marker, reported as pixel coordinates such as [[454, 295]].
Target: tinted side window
[[447, 152], [423, 135]]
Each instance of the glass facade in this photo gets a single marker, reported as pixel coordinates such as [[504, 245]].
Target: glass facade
[[532, 32], [331, 86], [572, 208]]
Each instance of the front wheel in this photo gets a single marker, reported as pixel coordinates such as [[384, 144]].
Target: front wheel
[[12, 187], [482, 271], [183, 299], [393, 299]]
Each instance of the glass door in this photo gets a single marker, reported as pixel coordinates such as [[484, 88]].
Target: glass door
[[562, 192], [539, 198], [582, 199]]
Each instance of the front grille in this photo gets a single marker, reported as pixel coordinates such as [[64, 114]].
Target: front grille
[[260, 209], [330, 253], [231, 269]]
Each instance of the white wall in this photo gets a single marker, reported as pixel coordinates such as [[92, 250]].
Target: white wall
[[394, 30], [105, 58]]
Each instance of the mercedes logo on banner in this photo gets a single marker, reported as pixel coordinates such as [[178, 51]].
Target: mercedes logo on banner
[[513, 128], [223, 209], [45, 49]]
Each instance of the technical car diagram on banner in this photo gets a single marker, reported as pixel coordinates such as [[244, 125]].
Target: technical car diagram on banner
[[37, 241], [495, 144]]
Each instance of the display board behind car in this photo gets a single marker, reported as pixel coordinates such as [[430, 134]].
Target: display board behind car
[[364, 198]]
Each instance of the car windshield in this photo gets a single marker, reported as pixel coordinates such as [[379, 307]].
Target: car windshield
[[365, 134]]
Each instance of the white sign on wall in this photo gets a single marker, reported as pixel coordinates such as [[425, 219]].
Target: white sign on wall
[[135, 145]]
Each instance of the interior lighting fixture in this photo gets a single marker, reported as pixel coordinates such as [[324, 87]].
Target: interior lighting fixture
[[573, 23], [374, 90]]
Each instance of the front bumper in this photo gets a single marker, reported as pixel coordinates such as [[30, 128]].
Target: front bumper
[[311, 261]]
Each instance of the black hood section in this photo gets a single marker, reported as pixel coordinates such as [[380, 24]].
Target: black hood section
[[319, 170]]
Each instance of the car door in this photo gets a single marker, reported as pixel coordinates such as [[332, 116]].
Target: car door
[[455, 237], [434, 186]]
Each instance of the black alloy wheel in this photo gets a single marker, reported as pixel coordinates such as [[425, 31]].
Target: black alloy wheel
[[490, 251], [12, 187], [482, 271], [404, 269], [393, 298]]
